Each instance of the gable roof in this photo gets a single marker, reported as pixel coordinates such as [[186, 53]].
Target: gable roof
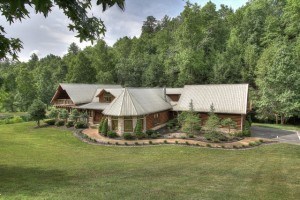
[[138, 101], [83, 93], [226, 98]]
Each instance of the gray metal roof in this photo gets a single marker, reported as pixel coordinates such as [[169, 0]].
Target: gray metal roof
[[84, 93], [94, 106], [115, 92], [226, 98], [138, 101], [174, 90]]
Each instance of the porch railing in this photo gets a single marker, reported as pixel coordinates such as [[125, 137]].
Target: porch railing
[[63, 102]]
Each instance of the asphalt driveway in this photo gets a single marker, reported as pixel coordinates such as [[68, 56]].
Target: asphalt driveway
[[281, 135]]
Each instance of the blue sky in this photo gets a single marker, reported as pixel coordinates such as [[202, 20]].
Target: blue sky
[[51, 35]]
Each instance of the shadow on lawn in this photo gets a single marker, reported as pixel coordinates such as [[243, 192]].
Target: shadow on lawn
[[29, 182]]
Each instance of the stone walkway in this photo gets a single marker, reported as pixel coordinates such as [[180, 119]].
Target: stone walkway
[[93, 134]]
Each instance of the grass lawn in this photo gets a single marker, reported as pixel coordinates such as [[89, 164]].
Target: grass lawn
[[278, 126], [50, 163]]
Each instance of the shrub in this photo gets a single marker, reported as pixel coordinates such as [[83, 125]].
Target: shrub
[[172, 123], [150, 142], [182, 137], [150, 132], [154, 136], [138, 127], [208, 145], [100, 125], [128, 136], [26, 117], [104, 127], [49, 121], [136, 143], [112, 134], [60, 123], [126, 143], [63, 114], [117, 143], [215, 136], [70, 124], [141, 135], [53, 113], [165, 141], [74, 116], [17, 119], [191, 136], [80, 125], [176, 142], [244, 133]]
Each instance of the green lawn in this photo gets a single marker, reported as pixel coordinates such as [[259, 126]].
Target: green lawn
[[278, 126], [50, 163]]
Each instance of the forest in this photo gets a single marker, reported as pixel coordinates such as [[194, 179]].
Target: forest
[[258, 44]]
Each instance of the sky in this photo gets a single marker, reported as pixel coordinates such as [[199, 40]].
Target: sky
[[43, 36]]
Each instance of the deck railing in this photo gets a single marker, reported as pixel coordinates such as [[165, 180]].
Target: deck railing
[[63, 102]]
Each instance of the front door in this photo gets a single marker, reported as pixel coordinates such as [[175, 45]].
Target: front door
[[97, 116]]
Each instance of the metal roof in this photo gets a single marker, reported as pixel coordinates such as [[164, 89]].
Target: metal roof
[[115, 92], [84, 93], [226, 98], [94, 106], [138, 101], [174, 90]]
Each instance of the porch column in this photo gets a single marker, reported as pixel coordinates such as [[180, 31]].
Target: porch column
[[109, 122], [120, 125], [134, 122]]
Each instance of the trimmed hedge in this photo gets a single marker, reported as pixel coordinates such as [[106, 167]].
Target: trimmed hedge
[[128, 136], [60, 123], [70, 124], [80, 125], [50, 122], [112, 134]]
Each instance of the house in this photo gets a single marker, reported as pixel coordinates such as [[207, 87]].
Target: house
[[123, 107]]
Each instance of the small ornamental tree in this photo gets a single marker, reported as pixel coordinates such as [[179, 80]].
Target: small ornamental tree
[[63, 114], [85, 117], [53, 113], [138, 127], [37, 111], [100, 125], [229, 123], [213, 121], [74, 115], [104, 127], [189, 120]]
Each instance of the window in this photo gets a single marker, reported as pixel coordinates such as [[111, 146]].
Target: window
[[114, 123], [107, 97], [128, 127], [156, 119]]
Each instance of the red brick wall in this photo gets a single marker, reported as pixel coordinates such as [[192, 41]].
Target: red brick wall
[[174, 97], [162, 116]]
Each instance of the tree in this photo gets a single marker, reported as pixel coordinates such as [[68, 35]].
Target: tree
[[138, 127], [81, 70], [229, 123], [213, 121], [63, 114], [37, 111], [75, 115], [73, 49], [53, 113], [189, 120], [88, 27], [101, 124], [104, 128]]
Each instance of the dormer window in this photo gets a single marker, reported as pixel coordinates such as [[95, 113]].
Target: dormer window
[[107, 97]]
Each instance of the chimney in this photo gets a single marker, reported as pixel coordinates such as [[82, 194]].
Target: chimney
[[165, 93]]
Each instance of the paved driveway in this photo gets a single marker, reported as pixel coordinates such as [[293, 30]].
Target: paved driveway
[[271, 133]]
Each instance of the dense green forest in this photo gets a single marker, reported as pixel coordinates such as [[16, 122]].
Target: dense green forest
[[258, 44]]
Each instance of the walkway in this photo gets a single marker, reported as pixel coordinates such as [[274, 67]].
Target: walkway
[[93, 133]]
